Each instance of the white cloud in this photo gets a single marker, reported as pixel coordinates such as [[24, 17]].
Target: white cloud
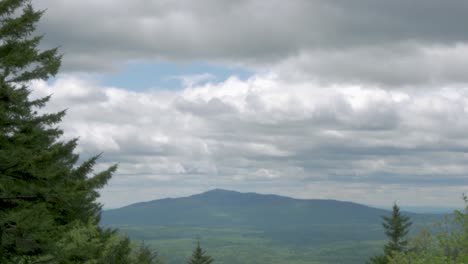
[[363, 100], [305, 139]]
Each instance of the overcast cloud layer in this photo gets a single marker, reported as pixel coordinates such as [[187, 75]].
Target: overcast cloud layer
[[396, 42], [354, 100]]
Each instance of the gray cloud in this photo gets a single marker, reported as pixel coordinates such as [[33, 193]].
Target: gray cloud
[[355, 100], [385, 42], [269, 135], [399, 65]]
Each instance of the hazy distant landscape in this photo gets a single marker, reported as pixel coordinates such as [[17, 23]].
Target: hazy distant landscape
[[240, 228]]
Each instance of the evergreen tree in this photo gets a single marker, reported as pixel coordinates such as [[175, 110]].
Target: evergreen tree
[[396, 229], [446, 244], [199, 256], [44, 193], [144, 255], [88, 243]]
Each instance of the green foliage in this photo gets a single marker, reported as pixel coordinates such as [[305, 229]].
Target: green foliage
[[87, 243], [448, 245], [48, 208], [396, 229], [144, 255], [199, 256], [379, 259], [20, 60]]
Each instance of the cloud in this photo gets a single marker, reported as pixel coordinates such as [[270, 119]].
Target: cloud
[[396, 66], [396, 42], [193, 79], [356, 100], [268, 134]]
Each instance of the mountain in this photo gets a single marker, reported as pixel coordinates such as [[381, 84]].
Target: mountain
[[229, 208], [224, 209], [327, 230]]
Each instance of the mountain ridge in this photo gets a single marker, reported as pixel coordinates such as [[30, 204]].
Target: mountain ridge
[[226, 208], [219, 191], [234, 222]]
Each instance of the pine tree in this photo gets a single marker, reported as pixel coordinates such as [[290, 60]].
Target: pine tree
[[396, 229], [447, 243], [144, 255], [43, 191], [199, 256]]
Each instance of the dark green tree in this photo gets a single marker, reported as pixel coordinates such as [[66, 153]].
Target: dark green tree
[[396, 229], [144, 255], [199, 256], [44, 193], [446, 243], [88, 243], [379, 259]]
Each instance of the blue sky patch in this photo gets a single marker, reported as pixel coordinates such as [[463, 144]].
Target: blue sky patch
[[170, 76]]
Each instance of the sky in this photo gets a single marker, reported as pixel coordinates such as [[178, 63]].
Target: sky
[[363, 101]]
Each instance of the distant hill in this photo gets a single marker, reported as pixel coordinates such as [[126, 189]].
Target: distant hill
[[223, 208], [229, 208], [327, 230]]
